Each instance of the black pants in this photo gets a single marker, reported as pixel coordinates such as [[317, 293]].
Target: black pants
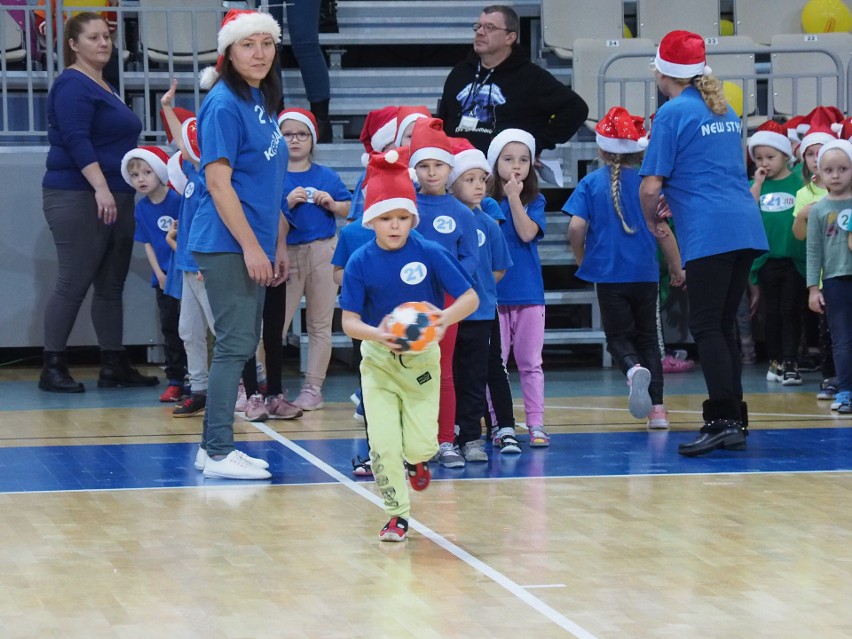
[[470, 371], [782, 288], [715, 286], [498, 382], [629, 316], [172, 343], [825, 347], [274, 304]]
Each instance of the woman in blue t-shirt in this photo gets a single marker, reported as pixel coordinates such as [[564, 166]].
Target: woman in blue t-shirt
[[238, 236], [88, 206], [695, 159]]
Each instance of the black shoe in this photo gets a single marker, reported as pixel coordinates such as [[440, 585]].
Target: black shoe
[[328, 17], [55, 377], [117, 372], [720, 433], [192, 406]]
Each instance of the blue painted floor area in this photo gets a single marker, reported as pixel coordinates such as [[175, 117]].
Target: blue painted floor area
[[110, 467]]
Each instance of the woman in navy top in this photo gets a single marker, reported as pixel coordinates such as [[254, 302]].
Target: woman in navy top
[[695, 159], [88, 206]]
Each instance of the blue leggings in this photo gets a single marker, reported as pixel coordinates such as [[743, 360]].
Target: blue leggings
[[303, 26]]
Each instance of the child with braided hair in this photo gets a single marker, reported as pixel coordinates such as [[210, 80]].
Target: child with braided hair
[[615, 250]]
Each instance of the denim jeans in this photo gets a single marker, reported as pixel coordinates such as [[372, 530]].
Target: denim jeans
[[837, 292]]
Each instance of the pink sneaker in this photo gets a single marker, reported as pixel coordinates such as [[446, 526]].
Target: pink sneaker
[[672, 364], [280, 408], [658, 418], [256, 409], [310, 398], [242, 400]]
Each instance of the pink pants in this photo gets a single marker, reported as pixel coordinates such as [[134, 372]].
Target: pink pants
[[522, 333]]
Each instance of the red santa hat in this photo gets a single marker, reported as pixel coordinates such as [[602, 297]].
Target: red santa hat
[[429, 142], [771, 134], [843, 129], [156, 158], [238, 24], [505, 137], [189, 136], [177, 178], [681, 54], [466, 157], [182, 115], [821, 129], [621, 133], [407, 115], [300, 115], [388, 186], [379, 130]]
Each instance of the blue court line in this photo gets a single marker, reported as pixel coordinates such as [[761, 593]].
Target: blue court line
[[134, 466]]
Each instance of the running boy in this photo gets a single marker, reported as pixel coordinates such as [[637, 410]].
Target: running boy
[[401, 391]]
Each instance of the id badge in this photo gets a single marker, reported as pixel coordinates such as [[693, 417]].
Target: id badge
[[468, 123]]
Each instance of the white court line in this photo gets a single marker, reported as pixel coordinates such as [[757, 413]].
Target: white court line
[[499, 578], [790, 416]]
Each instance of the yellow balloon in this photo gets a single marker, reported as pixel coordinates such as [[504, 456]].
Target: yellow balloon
[[627, 32], [726, 27], [826, 16], [733, 96]]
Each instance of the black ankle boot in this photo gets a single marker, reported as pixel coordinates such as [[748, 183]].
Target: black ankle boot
[[328, 17], [320, 111], [722, 428], [55, 377], [116, 371]]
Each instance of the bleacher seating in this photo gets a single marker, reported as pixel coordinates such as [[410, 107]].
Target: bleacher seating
[[760, 21], [657, 17], [180, 34], [563, 21], [732, 59], [12, 48]]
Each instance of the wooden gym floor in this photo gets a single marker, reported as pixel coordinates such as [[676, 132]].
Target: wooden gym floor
[[108, 531]]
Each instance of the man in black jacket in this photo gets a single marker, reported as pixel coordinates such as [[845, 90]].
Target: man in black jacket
[[498, 87]]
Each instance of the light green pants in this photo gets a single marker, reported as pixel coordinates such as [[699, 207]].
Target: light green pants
[[401, 395]]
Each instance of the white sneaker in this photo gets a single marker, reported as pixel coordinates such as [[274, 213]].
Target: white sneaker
[[639, 402], [200, 458], [234, 466], [260, 463]]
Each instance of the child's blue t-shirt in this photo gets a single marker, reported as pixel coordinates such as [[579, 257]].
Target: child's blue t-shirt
[[356, 208], [493, 256], [376, 281], [445, 220], [153, 221], [242, 133], [174, 280], [612, 254], [309, 221], [700, 158], [189, 205], [351, 237], [490, 206], [523, 283]]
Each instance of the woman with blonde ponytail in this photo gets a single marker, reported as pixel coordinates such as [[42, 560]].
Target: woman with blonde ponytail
[[696, 160], [615, 250]]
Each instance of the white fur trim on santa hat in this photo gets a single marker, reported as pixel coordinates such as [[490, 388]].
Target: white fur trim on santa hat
[[409, 119], [384, 206], [467, 160], [674, 70], [817, 137], [154, 161], [838, 145], [430, 153], [503, 138], [299, 117], [383, 136], [245, 25], [621, 146], [774, 140], [176, 174]]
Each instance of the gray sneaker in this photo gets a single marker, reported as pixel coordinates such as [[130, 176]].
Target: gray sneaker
[[475, 451], [449, 457]]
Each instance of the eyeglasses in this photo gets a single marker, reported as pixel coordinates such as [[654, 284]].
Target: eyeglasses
[[489, 28], [301, 136]]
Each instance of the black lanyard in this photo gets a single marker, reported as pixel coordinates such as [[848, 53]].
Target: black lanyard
[[475, 86]]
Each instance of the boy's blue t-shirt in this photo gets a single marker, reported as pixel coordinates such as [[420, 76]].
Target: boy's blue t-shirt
[[174, 280], [493, 256], [699, 155], [242, 133], [490, 206], [153, 221], [376, 281], [189, 205], [523, 283], [445, 220], [309, 221], [356, 208], [612, 254], [351, 237]]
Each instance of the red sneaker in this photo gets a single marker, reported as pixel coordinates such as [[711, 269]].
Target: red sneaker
[[172, 394], [419, 475], [394, 530]]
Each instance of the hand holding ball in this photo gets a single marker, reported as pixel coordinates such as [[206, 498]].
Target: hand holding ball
[[413, 325]]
